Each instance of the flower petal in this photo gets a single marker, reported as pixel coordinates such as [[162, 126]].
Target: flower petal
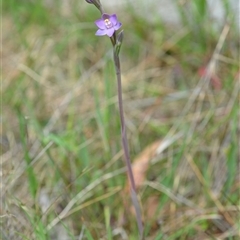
[[113, 19], [105, 16], [101, 32], [117, 26], [100, 23], [109, 32]]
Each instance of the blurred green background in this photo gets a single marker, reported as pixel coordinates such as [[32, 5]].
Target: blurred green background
[[62, 170]]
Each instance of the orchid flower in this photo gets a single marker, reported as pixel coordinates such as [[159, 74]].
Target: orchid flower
[[107, 25]]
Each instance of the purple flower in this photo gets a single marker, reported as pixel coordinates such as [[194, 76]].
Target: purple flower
[[107, 25]]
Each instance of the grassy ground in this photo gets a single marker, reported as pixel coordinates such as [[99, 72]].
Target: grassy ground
[[62, 170]]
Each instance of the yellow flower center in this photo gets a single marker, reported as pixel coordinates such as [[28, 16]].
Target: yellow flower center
[[108, 23]]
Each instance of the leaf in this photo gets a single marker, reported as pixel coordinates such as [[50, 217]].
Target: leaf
[[140, 166], [141, 163], [214, 79]]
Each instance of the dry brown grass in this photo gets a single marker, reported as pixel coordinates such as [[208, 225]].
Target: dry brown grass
[[52, 81]]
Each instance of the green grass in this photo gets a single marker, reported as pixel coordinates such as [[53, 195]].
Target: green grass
[[61, 144]]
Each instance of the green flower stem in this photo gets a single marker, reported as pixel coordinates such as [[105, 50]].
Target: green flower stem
[[125, 145]]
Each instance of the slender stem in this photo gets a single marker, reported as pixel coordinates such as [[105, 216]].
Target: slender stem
[[125, 146], [123, 128], [116, 43], [101, 9]]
